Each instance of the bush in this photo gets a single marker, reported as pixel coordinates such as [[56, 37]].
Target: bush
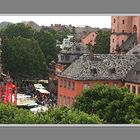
[[12, 115]]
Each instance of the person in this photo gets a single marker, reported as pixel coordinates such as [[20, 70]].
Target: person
[[46, 101], [50, 102]]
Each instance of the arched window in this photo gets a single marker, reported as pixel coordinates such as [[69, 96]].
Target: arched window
[[113, 40], [123, 22], [134, 28], [123, 31], [114, 20], [113, 50]]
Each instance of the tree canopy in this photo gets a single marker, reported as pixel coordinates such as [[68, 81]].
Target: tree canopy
[[47, 44], [23, 58], [102, 45], [27, 52], [112, 104], [13, 115], [19, 29]]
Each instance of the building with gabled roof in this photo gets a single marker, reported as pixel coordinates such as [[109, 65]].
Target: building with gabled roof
[[85, 37], [85, 72]]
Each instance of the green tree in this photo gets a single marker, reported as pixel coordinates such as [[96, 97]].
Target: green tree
[[102, 45], [12, 115], [23, 58], [112, 104], [47, 44], [19, 29]]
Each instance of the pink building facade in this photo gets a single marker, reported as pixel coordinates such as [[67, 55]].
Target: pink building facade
[[121, 28], [90, 38]]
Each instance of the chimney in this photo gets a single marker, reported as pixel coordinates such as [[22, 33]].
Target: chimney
[[91, 54]]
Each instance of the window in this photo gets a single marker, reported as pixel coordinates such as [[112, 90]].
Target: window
[[67, 57], [60, 100], [69, 85], [62, 57], [68, 102], [128, 86], [64, 100], [73, 100], [112, 71], [73, 85], [61, 82], [123, 31], [86, 86], [123, 22], [137, 73], [122, 41], [113, 40], [138, 90], [113, 50], [65, 83], [114, 20], [94, 70], [133, 89], [135, 52]]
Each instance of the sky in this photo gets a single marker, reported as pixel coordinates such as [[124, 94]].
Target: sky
[[47, 20]]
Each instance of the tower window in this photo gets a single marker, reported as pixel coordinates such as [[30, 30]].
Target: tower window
[[123, 31], [114, 20], [112, 50], [123, 21], [113, 40]]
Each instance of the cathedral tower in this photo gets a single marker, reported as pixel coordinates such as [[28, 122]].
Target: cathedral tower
[[121, 28]]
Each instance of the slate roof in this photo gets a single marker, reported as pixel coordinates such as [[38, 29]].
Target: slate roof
[[76, 48], [134, 74], [135, 50], [129, 43], [102, 67]]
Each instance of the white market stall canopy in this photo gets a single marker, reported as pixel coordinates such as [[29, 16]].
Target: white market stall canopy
[[43, 91], [43, 81], [39, 86], [39, 109], [25, 100]]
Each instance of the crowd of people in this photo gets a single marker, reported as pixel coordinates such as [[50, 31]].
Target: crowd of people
[[28, 88]]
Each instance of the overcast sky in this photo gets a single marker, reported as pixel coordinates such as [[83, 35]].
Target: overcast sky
[[93, 21]]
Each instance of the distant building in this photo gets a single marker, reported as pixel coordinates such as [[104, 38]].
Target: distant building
[[66, 42], [65, 58], [59, 44], [57, 27], [82, 74], [85, 37], [68, 55]]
